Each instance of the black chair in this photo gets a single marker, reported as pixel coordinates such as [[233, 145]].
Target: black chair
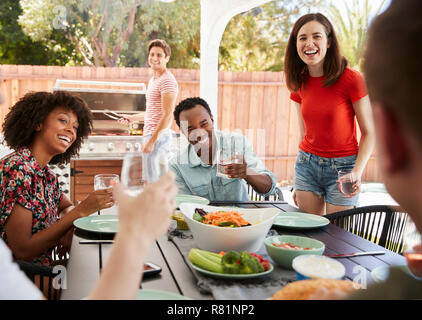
[[381, 224], [41, 275], [255, 196]]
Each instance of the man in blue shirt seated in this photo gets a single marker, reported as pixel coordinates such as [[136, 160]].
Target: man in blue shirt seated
[[196, 164]]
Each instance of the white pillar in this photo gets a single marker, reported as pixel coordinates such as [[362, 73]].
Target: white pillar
[[215, 14]]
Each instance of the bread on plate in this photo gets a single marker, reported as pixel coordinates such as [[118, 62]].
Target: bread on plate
[[303, 289]]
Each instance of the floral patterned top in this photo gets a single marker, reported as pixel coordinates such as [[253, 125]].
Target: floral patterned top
[[23, 181]]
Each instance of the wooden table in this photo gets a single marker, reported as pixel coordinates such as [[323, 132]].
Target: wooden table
[[86, 260]]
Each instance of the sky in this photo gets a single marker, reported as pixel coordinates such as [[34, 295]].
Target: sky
[[375, 3]]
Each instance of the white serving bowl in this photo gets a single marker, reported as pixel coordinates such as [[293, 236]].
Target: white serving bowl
[[216, 239]]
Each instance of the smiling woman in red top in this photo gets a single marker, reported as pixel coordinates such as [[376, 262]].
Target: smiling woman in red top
[[328, 96], [43, 128]]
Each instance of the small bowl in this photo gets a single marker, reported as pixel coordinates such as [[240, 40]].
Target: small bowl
[[284, 256], [181, 222], [317, 267]]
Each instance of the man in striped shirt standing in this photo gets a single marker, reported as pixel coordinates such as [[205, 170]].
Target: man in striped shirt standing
[[160, 100]]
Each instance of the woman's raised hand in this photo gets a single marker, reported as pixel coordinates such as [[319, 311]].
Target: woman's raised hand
[[97, 200]]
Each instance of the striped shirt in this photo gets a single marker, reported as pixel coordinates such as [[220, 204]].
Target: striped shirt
[[166, 83]]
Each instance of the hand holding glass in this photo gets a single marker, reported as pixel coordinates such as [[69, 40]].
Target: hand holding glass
[[227, 159], [347, 182]]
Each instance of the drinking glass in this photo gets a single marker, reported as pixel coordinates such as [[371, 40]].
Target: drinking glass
[[347, 180], [133, 174], [141, 168], [412, 247], [227, 157], [105, 181]]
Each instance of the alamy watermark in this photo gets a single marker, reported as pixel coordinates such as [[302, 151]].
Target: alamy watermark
[[59, 21]]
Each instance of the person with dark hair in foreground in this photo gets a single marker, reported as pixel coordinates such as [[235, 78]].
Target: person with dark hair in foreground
[[196, 165], [392, 71]]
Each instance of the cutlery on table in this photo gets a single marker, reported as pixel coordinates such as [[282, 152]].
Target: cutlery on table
[[355, 254]]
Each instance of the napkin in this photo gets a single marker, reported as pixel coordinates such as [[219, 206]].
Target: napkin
[[258, 288]]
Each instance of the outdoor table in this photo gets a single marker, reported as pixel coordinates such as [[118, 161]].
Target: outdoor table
[[86, 260]]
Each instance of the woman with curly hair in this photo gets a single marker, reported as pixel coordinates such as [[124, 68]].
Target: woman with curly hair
[[43, 128]]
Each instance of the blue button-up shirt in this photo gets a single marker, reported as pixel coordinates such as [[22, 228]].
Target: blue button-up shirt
[[195, 177]]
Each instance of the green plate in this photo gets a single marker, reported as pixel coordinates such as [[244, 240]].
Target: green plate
[[300, 220], [144, 294], [180, 198], [99, 224], [231, 276]]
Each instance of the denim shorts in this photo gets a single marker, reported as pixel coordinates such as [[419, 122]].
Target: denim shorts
[[319, 175]]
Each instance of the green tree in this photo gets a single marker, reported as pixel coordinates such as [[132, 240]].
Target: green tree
[[116, 33], [18, 48], [257, 39], [178, 23], [99, 29], [351, 26]]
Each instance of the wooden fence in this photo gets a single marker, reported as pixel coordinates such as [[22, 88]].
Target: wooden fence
[[256, 104]]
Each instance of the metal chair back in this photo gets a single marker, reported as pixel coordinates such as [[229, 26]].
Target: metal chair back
[[42, 277], [255, 196], [381, 224]]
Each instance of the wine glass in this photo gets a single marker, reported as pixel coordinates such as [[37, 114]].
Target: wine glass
[[347, 180], [412, 247], [105, 181], [138, 169], [133, 174]]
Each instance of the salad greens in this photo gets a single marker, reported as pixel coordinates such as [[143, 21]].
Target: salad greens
[[200, 216]]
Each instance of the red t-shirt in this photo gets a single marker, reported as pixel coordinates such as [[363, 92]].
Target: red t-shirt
[[328, 115]]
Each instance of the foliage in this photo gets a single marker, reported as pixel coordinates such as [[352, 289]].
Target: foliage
[[178, 23], [352, 25], [99, 29], [257, 41], [18, 48], [116, 33]]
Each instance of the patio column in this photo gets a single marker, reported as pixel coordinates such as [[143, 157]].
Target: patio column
[[215, 14]]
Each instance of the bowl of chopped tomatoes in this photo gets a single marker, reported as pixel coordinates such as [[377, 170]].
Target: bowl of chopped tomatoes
[[283, 248]]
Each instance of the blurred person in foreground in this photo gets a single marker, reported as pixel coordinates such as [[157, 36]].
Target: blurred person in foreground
[[138, 229], [392, 72], [196, 165]]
